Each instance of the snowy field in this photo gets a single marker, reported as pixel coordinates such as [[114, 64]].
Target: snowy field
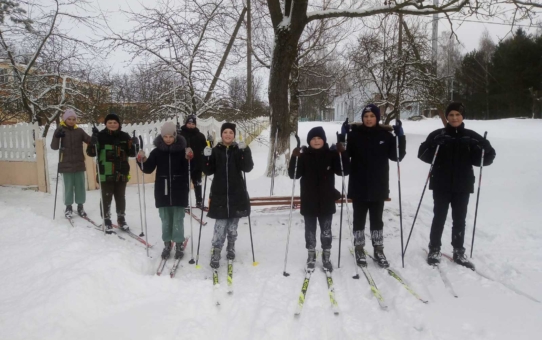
[[60, 282]]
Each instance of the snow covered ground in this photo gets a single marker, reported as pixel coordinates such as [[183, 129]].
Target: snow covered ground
[[59, 282]]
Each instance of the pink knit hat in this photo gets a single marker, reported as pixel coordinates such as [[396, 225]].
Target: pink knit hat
[[68, 113]]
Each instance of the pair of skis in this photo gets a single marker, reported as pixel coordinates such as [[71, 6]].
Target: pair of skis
[[216, 282], [176, 263], [305, 287]]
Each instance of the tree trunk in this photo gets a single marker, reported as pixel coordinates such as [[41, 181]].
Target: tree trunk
[[294, 97]]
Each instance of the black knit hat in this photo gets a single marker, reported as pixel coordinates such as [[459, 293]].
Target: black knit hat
[[190, 119], [456, 106], [372, 108], [230, 126], [316, 132], [112, 116]]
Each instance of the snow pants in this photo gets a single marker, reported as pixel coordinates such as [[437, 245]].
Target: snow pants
[[172, 224], [325, 231], [74, 185], [117, 190], [225, 227], [459, 202], [375, 209]]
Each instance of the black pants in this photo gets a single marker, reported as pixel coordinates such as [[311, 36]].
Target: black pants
[[459, 202], [375, 209], [117, 190], [325, 231], [196, 181]]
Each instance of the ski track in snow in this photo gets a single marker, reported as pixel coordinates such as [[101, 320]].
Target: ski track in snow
[[60, 282]]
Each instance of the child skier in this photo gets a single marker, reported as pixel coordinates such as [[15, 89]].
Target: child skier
[[69, 138], [452, 178], [171, 187], [371, 146], [114, 147], [228, 197], [317, 167], [197, 142]]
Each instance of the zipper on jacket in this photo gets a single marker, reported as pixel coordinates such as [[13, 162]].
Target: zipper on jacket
[[227, 183], [170, 193]]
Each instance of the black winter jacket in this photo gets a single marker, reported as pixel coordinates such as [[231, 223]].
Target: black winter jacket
[[452, 170], [369, 150], [197, 141], [317, 169], [229, 196], [114, 148], [171, 183]]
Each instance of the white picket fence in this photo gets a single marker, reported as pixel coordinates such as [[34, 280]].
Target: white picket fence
[[17, 142]]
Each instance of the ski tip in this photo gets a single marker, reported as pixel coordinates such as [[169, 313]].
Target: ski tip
[[286, 274], [356, 277], [255, 264], [198, 266], [192, 261]]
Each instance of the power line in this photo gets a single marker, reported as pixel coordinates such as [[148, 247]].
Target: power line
[[491, 23]]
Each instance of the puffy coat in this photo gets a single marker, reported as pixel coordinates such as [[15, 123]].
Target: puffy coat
[[72, 158], [171, 184], [317, 169], [197, 141], [114, 148], [229, 196], [453, 170], [370, 150]]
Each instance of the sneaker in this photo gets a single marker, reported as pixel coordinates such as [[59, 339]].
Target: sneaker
[[122, 223], [311, 260], [433, 257], [166, 253], [69, 212], [108, 224], [80, 211], [230, 255], [179, 251], [215, 258], [361, 259], [461, 259], [326, 261], [380, 258]]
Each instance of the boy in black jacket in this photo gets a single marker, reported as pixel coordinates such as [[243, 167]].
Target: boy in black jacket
[[452, 178], [317, 167], [196, 141]]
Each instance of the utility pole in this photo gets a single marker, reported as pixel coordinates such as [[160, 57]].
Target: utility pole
[[435, 38], [249, 56]]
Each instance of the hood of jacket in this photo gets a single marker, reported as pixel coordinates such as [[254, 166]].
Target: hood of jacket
[[178, 146], [188, 131]]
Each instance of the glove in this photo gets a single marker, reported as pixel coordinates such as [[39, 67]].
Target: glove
[[296, 152], [207, 151], [135, 142], [242, 145], [189, 154], [340, 147], [60, 133], [141, 158], [398, 128], [442, 139], [95, 130], [94, 139], [345, 128]]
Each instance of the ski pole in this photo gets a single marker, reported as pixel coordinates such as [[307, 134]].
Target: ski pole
[[348, 219], [342, 204], [139, 189], [421, 198], [399, 186], [57, 173], [254, 263], [100, 182], [291, 208], [201, 218], [478, 196], [144, 200], [190, 212]]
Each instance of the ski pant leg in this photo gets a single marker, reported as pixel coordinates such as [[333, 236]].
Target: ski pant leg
[[120, 198], [376, 210], [325, 230], [219, 235], [360, 215], [460, 203], [178, 224], [69, 182], [166, 216], [196, 181], [231, 230], [107, 196], [441, 201], [80, 188], [310, 231]]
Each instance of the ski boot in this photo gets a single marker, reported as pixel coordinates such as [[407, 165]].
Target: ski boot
[[230, 255], [461, 259], [69, 212], [80, 211], [326, 261], [166, 253], [311, 260], [215, 258], [108, 224], [122, 223], [179, 251], [380, 258], [433, 257], [361, 259]]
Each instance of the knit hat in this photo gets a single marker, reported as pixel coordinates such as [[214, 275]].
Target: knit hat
[[372, 108], [112, 116], [190, 119], [316, 132], [169, 128], [230, 126], [456, 106], [68, 113]]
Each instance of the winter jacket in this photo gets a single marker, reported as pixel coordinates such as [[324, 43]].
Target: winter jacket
[[317, 169], [171, 183], [197, 141], [370, 149], [72, 158], [453, 170], [229, 196], [114, 148]]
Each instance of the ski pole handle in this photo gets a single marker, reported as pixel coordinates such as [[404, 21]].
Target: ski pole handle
[[298, 141]]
